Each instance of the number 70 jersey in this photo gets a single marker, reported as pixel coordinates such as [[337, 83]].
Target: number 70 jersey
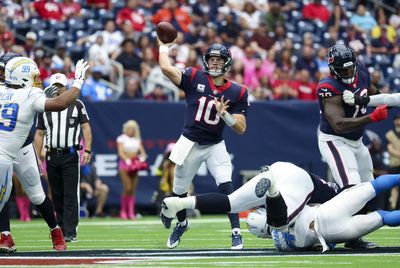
[[202, 122], [17, 110]]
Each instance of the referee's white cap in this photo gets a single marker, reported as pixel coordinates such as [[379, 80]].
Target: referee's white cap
[[58, 78]]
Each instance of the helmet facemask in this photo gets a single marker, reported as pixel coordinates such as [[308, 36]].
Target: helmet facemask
[[220, 51], [346, 74]]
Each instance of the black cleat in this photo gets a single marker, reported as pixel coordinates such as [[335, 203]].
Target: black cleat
[[359, 243]]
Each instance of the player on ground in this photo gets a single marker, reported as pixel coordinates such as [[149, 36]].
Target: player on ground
[[290, 220], [211, 103], [20, 100], [342, 125]]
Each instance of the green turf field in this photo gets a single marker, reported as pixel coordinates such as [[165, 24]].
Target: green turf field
[[207, 232]]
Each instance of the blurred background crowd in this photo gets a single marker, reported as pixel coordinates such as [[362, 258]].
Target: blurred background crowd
[[278, 46]]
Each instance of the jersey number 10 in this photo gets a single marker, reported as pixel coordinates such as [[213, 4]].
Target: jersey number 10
[[204, 110]]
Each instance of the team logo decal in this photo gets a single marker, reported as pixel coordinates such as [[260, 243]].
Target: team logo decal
[[330, 59], [200, 87]]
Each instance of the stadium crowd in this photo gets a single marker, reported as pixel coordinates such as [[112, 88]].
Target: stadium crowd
[[279, 46]]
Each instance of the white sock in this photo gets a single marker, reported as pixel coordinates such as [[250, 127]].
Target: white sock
[[188, 202], [6, 232], [183, 223], [235, 231]]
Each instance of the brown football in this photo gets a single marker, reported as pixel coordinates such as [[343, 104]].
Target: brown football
[[166, 32]]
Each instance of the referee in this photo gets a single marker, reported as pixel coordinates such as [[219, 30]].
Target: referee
[[63, 131]]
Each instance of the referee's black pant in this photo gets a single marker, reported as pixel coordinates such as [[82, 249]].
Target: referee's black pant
[[63, 174]]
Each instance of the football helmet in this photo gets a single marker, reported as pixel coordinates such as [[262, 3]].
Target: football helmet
[[22, 72], [257, 223], [342, 63], [218, 50], [4, 58]]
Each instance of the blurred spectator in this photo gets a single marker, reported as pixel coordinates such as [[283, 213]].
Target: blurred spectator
[[47, 10], [129, 60], [132, 159], [94, 88], [60, 55], [237, 50], [378, 81], [279, 36], [30, 44], [338, 19], [362, 20], [332, 37], [100, 4], [393, 148], [70, 8], [15, 9], [98, 56], [322, 63], [356, 41], [133, 13], [307, 61], [249, 16], [394, 19], [228, 28], [92, 186], [261, 38], [132, 90], [274, 16], [284, 62], [6, 37], [383, 36], [307, 90], [283, 87], [157, 94], [262, 91], [174, 14], [159, 87], [315, 11], [44, 64], [193, 60]]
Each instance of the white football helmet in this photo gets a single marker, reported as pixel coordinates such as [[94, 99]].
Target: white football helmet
[[257, 223], [23, 72]]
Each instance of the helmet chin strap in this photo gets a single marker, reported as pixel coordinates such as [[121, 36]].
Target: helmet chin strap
[[348, 81], [215, 73]]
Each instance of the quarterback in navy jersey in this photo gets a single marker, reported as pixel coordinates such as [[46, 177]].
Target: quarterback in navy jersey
[[211, 103], [342, 125]]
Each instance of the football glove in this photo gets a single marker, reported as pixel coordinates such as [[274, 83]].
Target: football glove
[[80, 73], [51, 91], [380, 113], [352, 99]]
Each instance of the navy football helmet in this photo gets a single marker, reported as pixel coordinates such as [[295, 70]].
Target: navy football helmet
[[342, 63], [218, 50], [4, 58]]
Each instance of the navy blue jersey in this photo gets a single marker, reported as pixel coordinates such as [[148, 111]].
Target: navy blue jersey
[[323, 191], [330, 87], [202, 122], [31, 134]]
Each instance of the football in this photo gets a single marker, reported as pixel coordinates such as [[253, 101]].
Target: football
[[166, 32]]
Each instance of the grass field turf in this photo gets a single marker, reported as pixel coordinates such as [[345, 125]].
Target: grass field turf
[[114, 240]]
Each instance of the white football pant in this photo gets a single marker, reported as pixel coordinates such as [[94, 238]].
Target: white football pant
[[6, 172]]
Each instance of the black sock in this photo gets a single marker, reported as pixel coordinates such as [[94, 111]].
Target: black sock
[[47, 211], [5, 218], [227, 188], [276, 211], [213, 202], [181, 215]]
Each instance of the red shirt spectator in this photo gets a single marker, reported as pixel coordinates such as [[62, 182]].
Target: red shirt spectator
[[132, 14], [173, 14], [307, 90], [48, 10], [99, 3], [70, 8], [316, 11]]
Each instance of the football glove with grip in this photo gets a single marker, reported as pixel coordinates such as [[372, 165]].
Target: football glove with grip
[[352, 99], [51, 91], [80, 73], [380, 113]]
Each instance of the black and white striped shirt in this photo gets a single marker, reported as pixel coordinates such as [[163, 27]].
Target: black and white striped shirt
[[63, 128]]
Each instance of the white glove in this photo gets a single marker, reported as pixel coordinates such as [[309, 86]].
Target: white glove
[[80, 73], [348, 97]]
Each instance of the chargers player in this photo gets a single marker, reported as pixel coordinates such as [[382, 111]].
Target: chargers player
[[20, 99], [290, 218], [342, 125], [211, 103]]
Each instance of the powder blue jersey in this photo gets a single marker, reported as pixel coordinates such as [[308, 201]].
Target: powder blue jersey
[[330, 87], [202, 122]]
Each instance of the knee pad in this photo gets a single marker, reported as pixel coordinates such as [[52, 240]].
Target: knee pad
[[37, 198], [226, 188]]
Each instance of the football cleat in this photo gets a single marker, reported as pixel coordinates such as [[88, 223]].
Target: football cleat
[[58, 239], [175, 238], [237, 241], [359, 243], [169, 207], [6, 243]]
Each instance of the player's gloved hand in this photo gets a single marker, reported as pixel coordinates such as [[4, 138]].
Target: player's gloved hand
[[352, 99], [380, 113], [80, 73], [51, 91]]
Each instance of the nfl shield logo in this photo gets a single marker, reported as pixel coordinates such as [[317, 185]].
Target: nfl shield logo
[[71, 121], [215, 92]]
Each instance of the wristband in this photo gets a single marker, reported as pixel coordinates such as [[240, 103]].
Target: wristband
[[78, 83], [163, 48], [229, 119], [88, 151]]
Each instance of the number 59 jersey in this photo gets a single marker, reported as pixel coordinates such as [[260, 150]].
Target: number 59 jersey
[[202, 122], [17, 110]]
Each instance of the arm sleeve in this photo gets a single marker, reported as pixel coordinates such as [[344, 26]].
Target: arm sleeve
[[82, 114], [187, 78], [381, 99]]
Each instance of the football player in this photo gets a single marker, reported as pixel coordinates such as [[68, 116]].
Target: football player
[[382, 99], [342, 125], [20, 99], [293, 217], [212, 102]]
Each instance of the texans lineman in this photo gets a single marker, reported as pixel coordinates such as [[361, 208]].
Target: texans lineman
[[290, 219], [342, 125], [212, 102], [20, 99]]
